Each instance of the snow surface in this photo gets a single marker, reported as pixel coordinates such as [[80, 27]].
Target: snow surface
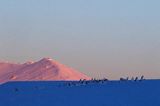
[[54, 93], [45, 69]]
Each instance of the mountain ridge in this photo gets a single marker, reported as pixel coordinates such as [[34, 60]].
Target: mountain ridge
[[42, 70]]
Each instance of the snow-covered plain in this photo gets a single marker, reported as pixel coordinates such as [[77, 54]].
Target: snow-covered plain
[[54, 93]]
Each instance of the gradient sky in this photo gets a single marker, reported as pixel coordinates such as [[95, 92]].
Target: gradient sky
[[101, 38]]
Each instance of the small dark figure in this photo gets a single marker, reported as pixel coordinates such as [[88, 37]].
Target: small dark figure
[[142, 78], [16, 89], [122, 79], [105, 79], [136, 79], [86, 82], [92, 79], [127, 78], [69, 84]]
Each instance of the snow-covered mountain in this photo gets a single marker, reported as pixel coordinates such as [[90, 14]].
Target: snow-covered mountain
[[45, 69]]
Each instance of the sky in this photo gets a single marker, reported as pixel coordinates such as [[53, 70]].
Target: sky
[[101, 38]]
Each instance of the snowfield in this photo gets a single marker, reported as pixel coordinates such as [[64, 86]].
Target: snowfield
[[66, 93]]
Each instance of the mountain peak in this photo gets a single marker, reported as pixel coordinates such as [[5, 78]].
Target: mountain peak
[[45, 69], [46, 59]]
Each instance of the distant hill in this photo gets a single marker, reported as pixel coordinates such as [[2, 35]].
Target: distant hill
[[45, 69]]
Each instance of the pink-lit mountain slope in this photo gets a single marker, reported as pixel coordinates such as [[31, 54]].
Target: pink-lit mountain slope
[[43, 70]]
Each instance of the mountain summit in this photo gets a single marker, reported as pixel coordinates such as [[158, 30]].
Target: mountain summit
[[43, 70]]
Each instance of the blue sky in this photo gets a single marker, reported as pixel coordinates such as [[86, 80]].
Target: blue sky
[[102, 38]]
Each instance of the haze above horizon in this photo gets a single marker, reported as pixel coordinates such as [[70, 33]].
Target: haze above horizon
[[102, 38]]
